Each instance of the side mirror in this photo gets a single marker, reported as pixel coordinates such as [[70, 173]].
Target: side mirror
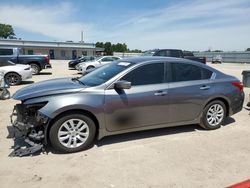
[[122, 84]]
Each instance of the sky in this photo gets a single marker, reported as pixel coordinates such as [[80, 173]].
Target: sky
[[195, 25]]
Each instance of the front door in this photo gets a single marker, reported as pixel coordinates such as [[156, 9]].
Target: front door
[[144, 104]]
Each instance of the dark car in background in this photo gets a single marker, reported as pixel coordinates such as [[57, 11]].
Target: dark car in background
[[73, 63], [175, 53], [36, 62], [124, 96]]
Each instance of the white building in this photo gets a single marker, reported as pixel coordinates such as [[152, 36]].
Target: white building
[[56, 50]]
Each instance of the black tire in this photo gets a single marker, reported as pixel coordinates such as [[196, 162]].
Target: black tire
[[12, 79], [90, 67], [53, 134], [204, 119], [4, 94], [35, 68]]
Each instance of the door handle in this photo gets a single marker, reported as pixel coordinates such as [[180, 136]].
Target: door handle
[[204, 87], [160, 93]]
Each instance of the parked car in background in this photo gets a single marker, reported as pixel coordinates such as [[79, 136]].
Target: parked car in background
[[14, 74], [124, 96], [37, 62], [217, 59], [96, 63], [73, 63], [175, 53]]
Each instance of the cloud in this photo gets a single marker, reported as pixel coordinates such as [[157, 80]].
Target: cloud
[[193, 25], [197, 25], [52, 21]]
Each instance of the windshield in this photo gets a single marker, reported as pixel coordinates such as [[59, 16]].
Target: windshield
[[104, 73]]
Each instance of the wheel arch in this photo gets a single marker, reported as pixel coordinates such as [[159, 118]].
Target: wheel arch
[[222, 99], [70, 111], [35, 62]]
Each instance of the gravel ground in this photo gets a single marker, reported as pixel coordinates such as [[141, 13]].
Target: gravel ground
[[172, 157]]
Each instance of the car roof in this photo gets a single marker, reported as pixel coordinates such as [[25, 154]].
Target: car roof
[[142, 59]]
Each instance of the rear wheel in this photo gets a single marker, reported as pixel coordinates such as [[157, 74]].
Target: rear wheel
[[35, 68], [213, 115], [13, 79], [72, 133]]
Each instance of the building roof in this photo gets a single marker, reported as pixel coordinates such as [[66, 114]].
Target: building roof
[[43, 44]]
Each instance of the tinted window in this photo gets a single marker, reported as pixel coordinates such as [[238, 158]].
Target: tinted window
[[187, 53], [206, 74], [161, 53], [175, 53], [185, 72], [6, 51], [146, 74]]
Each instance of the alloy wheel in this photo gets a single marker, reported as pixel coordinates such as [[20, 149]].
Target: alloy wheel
[[73, 133], [215, 115]]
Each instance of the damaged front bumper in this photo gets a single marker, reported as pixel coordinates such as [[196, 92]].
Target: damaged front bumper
[[27, 130]]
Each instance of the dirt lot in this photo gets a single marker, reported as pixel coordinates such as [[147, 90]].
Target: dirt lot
[[173, 157]]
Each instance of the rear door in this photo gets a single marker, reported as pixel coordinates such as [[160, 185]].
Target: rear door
[[144, 104], [190, 86]]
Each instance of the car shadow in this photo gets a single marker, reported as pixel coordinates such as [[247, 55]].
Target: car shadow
[[146, 134], [228, 121], [154, 133], [44, 73], [27, 82]]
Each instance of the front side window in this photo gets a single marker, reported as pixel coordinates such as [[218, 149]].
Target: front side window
[[146, 74], [185, 72]]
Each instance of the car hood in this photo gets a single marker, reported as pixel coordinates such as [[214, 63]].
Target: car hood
[[49, 87]]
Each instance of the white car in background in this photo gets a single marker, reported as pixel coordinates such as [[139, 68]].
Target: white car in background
[[14, 74], [82, 67]]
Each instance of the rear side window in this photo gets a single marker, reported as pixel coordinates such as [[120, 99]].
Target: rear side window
[[146, 74], [206, 74], [6, 51], [185, 72], [175, 53]]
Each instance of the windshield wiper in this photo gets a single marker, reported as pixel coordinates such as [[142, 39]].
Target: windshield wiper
[[77, 79]]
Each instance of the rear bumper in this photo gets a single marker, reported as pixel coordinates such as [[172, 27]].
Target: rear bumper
[[237, 104]]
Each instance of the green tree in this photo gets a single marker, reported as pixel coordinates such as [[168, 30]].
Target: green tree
[[108, 48], [6, 31], [248, 49]]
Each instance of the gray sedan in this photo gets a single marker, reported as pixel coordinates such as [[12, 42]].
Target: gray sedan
[[127, 95]]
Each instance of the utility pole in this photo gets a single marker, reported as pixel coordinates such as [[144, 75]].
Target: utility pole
[[82, 36]]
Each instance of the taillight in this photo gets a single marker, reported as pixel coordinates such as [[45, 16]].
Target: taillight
[[239, 85], [46, 58]]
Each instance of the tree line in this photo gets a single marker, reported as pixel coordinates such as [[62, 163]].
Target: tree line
[[109, 48]]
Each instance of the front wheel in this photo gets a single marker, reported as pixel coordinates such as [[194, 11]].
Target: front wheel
[[213, 115], [72, 133]]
